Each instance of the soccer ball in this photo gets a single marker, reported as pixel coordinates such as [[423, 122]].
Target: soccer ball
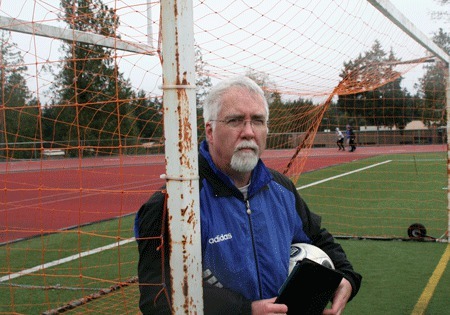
[[300, 251]]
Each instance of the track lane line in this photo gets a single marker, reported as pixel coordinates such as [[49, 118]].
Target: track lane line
[[103, 248]]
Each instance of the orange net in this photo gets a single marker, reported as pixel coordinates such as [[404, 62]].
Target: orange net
[[81, 129]]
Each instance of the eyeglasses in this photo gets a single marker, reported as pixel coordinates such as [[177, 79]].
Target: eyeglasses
[[239, 123]]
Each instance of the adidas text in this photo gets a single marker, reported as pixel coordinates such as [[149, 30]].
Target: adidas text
[[220, 238]]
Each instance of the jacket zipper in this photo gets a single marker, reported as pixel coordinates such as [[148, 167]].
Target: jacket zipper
[[249, 212]]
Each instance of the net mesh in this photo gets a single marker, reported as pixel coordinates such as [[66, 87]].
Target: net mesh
[[81, 130]]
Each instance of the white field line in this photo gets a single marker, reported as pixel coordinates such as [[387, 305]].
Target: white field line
[[64, 260], [103, 248], [342, 175]]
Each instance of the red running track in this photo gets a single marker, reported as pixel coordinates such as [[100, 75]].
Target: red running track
[[46, 196]]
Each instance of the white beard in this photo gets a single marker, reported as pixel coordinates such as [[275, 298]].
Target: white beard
[[245, 161]]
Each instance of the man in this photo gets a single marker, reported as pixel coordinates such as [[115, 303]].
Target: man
[[340, 140], [351, 138], [250, 215]]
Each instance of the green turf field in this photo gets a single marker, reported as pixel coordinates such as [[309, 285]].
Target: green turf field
[[377, 202], [381, 196]]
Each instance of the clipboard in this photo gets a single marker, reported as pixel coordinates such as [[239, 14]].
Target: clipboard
[[308, 288]]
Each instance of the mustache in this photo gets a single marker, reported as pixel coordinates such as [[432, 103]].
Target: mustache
[[247, 145]]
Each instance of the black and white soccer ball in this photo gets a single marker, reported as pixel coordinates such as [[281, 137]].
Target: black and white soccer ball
[[300, 251]]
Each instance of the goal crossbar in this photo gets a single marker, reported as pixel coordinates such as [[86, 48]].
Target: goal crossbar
[[396, 17], [49, 31]]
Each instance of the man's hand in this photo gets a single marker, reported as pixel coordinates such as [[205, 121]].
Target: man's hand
[[268, 307], [340, 299]]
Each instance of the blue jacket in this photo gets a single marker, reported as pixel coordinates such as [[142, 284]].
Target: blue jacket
[[245, 242], [252, 257]]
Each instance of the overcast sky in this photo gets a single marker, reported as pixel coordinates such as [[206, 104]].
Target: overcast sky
[[142, 68], [419, 12]]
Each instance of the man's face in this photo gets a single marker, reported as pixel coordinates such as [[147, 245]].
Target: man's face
[[240, 132]]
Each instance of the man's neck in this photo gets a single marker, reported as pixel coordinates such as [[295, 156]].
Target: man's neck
[[240, 179]]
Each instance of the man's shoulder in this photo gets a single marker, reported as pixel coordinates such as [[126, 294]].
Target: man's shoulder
[[281, 178]]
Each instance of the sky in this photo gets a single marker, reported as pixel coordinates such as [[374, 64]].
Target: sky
[[319, 36], [418, 11]]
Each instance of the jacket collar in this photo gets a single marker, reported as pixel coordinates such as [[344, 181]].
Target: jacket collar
[[260, 177]]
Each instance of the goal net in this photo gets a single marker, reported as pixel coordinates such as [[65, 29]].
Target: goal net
[[82, 129]]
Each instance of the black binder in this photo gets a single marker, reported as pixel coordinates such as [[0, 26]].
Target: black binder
[[308, 288]]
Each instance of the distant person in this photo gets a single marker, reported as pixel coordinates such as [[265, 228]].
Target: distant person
[[250, 215], [340, 140], [351, 138]]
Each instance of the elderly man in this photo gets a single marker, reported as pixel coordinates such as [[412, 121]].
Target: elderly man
[[250, 215]]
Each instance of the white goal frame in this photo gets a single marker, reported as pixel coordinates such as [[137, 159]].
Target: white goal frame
[[179, 28]]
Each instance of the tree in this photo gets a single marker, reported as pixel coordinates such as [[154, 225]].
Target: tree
[[18, 117], [431, 87], [373, 90], [91, 104], [202, 80], [301, 113], [148, 116], [263, 80], [442, 15]]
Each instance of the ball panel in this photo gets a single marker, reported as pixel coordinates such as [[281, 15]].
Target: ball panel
[[300, 251]]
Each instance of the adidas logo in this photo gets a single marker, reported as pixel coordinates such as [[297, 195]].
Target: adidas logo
[[220, 238]]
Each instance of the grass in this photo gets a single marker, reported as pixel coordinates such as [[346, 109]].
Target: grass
[[384, 200], [394, 276], [378, 202], [60, 284]]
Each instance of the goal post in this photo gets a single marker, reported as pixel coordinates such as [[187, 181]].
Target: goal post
[[182, 178], [393, 14], [101, 123]]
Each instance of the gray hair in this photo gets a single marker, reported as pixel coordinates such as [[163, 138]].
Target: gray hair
[[213, 102]]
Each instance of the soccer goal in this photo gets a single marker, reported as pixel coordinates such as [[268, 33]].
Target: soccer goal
[[101, 105]]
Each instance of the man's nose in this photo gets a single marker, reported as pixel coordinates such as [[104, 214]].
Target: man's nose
[[247, 129]]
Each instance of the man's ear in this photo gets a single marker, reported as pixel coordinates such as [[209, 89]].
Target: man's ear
[[209, 132]]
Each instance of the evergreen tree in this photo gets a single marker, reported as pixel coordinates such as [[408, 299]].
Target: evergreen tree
[[91, 104], [382, 101], [291, 116], [443, 14], [203, 85], [148, 116], [202, 80], [431, 87], [18, 112]]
